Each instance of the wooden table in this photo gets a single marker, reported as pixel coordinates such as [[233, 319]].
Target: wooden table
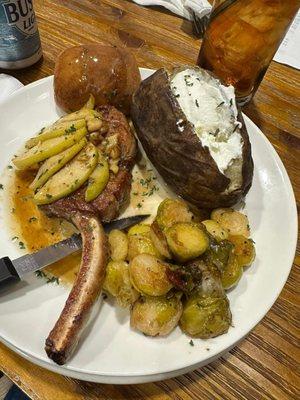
[[263, 366]]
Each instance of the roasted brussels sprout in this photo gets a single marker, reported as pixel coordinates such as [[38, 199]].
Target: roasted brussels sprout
[[243, 249], [148, 275], [117, 283], [218, 253], [139, 229], [232, 273], [233, 221], [118, 244], [186, 240], [215, 229], [171, 211], [156, 316], [159, 240], [141, 244], [205, 317]]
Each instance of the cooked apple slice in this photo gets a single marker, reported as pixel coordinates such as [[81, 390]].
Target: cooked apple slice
[[55, 131], [84, 113], [69, 178], [48, 148], [98, 179], [90, 104], [55, 163]]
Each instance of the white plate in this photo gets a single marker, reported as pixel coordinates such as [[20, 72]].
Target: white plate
[[110, 351]]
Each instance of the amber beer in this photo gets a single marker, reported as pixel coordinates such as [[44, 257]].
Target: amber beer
[[242, 38]]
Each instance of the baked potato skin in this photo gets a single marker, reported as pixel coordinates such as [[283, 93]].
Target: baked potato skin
[[108, 72], [175, 150]]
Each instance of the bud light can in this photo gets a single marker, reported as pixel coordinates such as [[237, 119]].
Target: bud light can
[[20, 44]]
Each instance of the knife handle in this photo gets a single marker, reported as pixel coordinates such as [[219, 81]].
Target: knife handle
[[8, 274]]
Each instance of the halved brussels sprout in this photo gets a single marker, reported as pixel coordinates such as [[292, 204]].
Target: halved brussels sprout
[[118, 244], [232, 273], [205, 317], [218, 253], [141, 244], [171, 211], [117, 283], [156, 316], [186, 240], [148, 275], [215, 229], [159, 240], [233, 221], [243, 249], [139, 229]]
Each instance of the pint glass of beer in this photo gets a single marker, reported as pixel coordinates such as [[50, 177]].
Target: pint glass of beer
[[241, 40]]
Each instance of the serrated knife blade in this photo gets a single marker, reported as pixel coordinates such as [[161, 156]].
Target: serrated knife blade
[[14, 270]]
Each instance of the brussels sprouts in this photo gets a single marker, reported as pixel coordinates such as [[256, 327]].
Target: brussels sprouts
[[215, 229], [148, 275], [117, 283], [156, 316], [171, 211], [205, 317], [218, 253], [118, 244], [196, 277], [159, 240], [233, 221], [232, 273], [186, 241], [243, 249], [139, 229], [141, 244]]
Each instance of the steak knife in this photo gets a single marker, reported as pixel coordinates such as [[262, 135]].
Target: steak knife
[[12, 271]]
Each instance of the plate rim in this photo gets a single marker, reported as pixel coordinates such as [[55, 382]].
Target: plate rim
[[111, 378]]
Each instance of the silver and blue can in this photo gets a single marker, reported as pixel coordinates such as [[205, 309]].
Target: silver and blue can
[[20, 44]]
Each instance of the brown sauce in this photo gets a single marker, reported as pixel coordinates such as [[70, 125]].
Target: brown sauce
[[37, 230]]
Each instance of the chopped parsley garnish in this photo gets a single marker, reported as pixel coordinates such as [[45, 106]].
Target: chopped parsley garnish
[[219, 105], [50, 279], [53, 279], [231, 102], [49, 196], [21, 245], [40, 274], [1, 186], [191, 343], [139, 205], [71, 129], [197, 104], [14, 238], [10, 167], [32, 219]]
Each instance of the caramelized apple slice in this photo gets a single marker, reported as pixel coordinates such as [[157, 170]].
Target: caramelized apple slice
[[69, 178]]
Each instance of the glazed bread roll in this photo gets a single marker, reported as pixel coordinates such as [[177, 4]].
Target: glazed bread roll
[[108, 72]]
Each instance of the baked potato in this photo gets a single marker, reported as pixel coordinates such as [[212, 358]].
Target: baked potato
[[192, 132], [108, 72]]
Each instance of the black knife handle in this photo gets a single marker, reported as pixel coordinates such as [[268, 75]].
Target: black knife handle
[[8, 274]]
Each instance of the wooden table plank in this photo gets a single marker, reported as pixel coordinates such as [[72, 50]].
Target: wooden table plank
[[264, 365]]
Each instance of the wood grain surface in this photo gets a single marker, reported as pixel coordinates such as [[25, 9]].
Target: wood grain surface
[[266, 364]]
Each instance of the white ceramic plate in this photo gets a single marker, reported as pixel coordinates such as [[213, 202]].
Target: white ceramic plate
[[110, 351]]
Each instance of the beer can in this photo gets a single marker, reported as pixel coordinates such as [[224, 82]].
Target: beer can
[[20, 44]]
